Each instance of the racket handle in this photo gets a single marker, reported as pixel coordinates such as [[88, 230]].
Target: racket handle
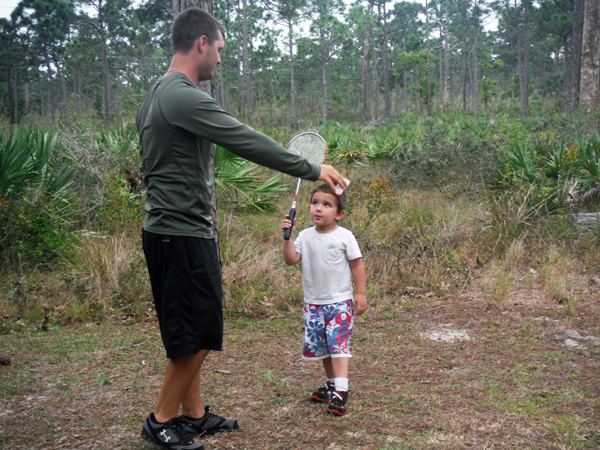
[[288, 232]]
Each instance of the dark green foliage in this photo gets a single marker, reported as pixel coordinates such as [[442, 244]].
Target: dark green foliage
[[36, 207], [454, 157]]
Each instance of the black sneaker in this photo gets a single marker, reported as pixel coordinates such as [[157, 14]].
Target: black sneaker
[[208, 424], [337, 405], [323, 395], [168, 435]]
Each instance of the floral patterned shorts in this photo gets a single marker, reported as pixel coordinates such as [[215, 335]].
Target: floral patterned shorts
[[327, 330]]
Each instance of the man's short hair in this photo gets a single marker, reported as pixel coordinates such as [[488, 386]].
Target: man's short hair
[[341, 202], [190, 25]]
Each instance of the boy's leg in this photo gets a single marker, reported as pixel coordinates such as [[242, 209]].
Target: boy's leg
[[340, 367], [327, 364], [179, 375]]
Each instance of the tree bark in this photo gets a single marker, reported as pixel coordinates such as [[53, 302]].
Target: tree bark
[[385, 65], [576, 65], [428, 59], [376, 105], [246, 61], [365, 69], [590, 58], [52, 95], [10, 96], [292, 75], [524, 88]]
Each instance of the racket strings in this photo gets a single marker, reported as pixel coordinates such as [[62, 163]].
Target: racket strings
[[312, 147]]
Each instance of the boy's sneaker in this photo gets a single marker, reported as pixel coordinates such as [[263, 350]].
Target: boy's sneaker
[[168, 435], [208, 424], [323, 395], [337, 405]]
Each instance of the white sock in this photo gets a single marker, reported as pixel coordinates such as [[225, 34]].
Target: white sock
[[341, 384], [331, 380]]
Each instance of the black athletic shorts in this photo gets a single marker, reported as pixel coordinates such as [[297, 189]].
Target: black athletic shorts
[[186, 285]]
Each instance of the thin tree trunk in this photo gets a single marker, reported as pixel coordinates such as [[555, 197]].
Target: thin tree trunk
[[446, 66], [246, 61], [26, 95], [577, 38], [385, 64], [464, 81], [405, 91], [376, 105], [105, 74], [543, 69], [10, 96], [52, 96], [365, 70], [590, 57], [428, 59], [292, 75], [525, 78], [475, 64], [15, 95]]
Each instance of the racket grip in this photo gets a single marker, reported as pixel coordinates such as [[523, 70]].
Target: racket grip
[[288, 232]]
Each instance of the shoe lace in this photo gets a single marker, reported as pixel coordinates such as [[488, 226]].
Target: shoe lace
[[176, 427]]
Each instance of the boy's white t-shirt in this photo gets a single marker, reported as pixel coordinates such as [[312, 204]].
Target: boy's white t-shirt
[[326, 275]]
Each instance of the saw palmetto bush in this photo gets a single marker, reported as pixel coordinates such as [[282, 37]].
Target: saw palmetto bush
[[36, 206]]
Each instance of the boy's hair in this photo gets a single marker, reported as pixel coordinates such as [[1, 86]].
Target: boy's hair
[[190, 25], [341, 201]]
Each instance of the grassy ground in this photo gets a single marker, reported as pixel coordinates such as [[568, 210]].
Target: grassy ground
[[513, 384], [482, 333]]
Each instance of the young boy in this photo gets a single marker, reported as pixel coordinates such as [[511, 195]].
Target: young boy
[[329, 255]]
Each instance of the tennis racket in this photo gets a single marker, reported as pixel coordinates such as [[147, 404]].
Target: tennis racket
[[313, 148]]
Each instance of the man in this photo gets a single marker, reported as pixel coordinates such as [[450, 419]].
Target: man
[[176, 124]]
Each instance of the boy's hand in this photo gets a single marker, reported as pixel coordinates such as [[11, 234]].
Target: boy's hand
[[287, 223], [360, 304]]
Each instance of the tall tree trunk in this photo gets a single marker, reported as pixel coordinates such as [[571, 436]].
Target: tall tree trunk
[[464, 91], [15, 84], [543, 69], [26, 95], [577, 37], [525, 79], [590, 58], [440, 59], [385, 63], [292, 75], [52, 96], [475, 67], [446, 65], [428, 59], [365, 69], [376, 105], [568, 76], [105, 72], [405, 90], [10, 96], [246, 61], [325, 62]]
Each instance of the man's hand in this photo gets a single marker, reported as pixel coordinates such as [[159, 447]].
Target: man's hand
[[332, 177]]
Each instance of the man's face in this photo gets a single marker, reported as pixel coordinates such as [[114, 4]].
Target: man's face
[[211, 59]]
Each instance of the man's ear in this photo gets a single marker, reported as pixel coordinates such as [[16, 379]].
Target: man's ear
[[340, 215], [201, 42]]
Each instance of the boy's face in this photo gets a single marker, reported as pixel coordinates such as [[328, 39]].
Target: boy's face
[[323, 211]]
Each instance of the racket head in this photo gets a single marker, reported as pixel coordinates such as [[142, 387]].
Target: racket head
[[310, 146]]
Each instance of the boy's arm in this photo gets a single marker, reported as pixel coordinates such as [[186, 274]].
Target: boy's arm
[[290, 256], [360, 282]]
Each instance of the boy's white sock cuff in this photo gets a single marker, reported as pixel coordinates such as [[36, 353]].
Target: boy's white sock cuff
[[341, 384]]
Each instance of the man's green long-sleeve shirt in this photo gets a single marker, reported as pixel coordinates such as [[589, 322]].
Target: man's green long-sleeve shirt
[[177, 124]]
